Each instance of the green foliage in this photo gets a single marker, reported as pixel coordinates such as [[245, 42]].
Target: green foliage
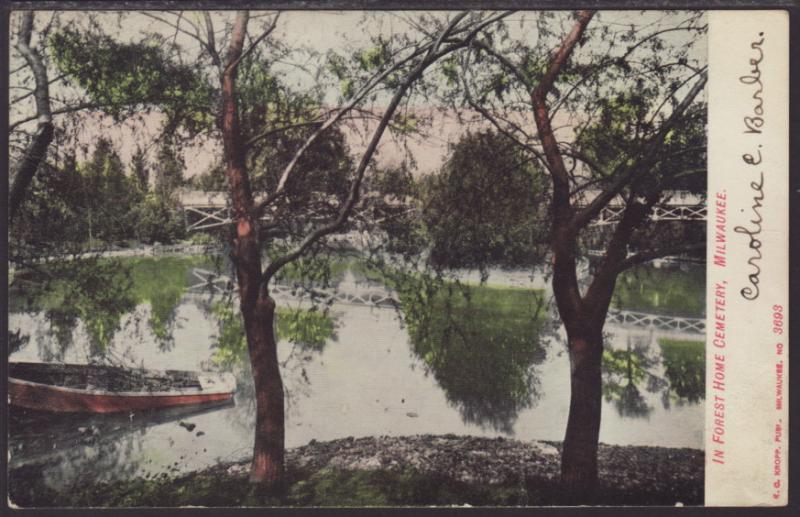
[[311, 330], [277, 120], [231, 346], [662, 291], [17, 341], [328, 487], [625, 372], [312, 270], [161, 282], [486, 206], [621, 135], [480, 343], [99, 292], [107, 195], [374, 57], [51, 218], [615, 138], [393, 203], [140, 170], [158, 220], [685, 368], [450, 70], [95, 292], [169, 168], [123, 77], [74, 205]]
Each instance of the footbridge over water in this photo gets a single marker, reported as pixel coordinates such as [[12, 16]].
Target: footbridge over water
[[679, 205], [206, 210]]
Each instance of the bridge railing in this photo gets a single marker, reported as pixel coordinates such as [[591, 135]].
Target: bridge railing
[[381, 297]]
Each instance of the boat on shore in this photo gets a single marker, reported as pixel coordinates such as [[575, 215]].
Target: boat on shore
[[84, 388]]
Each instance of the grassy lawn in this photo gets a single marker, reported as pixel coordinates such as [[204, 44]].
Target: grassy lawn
[[666, 291]]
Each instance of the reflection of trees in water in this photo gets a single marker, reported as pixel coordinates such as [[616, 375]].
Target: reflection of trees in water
[[624, 371], [685, 369], [85, 302], [81, 466], [308, 330], [481, 344], [627, 371], [94, 292]]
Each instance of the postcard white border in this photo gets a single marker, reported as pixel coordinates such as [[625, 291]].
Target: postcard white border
[[747, 341]]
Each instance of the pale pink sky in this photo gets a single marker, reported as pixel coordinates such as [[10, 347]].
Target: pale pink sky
[[320, 32], [429, 149]]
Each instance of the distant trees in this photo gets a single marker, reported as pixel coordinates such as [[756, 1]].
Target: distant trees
[[98, 199], [107, 196], [486, 206], [98, 202], [157, 217]]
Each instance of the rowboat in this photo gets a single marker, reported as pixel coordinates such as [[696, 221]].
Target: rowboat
[[81, 388]]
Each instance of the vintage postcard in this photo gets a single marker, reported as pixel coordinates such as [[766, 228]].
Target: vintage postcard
[[397, 258]]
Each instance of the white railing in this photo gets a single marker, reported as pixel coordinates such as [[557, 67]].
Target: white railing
[[657, 321], [353, 293]]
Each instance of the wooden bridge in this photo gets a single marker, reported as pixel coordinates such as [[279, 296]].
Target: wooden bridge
[[354, 293], [207, 210], [680, 205]]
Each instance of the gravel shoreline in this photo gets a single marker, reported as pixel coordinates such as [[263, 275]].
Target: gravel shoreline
[[500, 461], [403, 470]]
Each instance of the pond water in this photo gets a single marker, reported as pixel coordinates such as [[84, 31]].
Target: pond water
[[378, 374]]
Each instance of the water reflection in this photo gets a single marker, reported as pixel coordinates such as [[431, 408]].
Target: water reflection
[[624, 373], [474, 360], [685, 370], [673, 369], [481, 344]]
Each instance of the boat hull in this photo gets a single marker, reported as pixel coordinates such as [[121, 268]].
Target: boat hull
[[44, 397]]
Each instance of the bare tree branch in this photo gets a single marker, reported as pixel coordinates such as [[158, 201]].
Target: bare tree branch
[[37, 149], [358, 97], [60, 111], [255, 42], [496, 123], [432, 55], [652, 254], [506, 63], [210, 44]]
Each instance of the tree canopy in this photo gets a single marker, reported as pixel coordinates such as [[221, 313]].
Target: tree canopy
[[485, 207]]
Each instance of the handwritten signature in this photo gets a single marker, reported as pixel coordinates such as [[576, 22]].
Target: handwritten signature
[[753, 122]]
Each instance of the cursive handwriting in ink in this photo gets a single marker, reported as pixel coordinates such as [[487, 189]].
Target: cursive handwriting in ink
[[755, 121], [751, 291]]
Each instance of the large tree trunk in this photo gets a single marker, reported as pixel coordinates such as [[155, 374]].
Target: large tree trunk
[[258, 309], [267, 465], [579, 456]]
